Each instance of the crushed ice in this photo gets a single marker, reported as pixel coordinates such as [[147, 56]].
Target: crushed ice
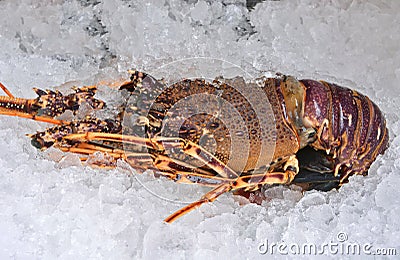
[[53, 209]]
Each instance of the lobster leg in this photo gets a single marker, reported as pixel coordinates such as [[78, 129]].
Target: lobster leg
[[175, 170], [208, 197], [244, 182], [163, 162], [248, 182], [145, 160], [8, 112], [88, 151], [160, 144], [140, 161]]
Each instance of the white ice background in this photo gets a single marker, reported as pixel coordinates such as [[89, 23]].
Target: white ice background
[[52, 208]]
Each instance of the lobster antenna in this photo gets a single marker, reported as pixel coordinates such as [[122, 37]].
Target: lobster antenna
[[6, 90]]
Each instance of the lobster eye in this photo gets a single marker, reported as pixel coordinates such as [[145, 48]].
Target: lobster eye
[[36, 143], [41, 144]]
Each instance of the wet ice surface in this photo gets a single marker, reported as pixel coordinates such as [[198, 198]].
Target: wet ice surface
[[49, 208]]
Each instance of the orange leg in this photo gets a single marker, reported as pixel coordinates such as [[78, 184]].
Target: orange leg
[[250, 182], [182, 173], [222, 183], [175, 170], [8, 112], [6, 90], [160, 144]]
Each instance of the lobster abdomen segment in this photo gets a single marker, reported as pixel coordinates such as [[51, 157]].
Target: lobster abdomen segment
[[350, 127]]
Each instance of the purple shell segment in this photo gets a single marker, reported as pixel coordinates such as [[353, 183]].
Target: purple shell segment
[[346, 111], [376, 130], [316, 108], [355, 122], [365, 118]]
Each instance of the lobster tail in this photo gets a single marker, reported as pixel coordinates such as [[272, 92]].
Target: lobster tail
[[351, 128]]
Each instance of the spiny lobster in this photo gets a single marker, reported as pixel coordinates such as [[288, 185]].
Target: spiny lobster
[[227, 134]]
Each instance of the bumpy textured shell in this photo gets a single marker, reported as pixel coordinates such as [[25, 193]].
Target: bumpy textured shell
[[221, 116], [350, 129]]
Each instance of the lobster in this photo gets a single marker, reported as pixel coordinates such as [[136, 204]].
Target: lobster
[[227, 134]]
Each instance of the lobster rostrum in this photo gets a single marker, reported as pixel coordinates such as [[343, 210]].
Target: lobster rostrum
[[321, 133]]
